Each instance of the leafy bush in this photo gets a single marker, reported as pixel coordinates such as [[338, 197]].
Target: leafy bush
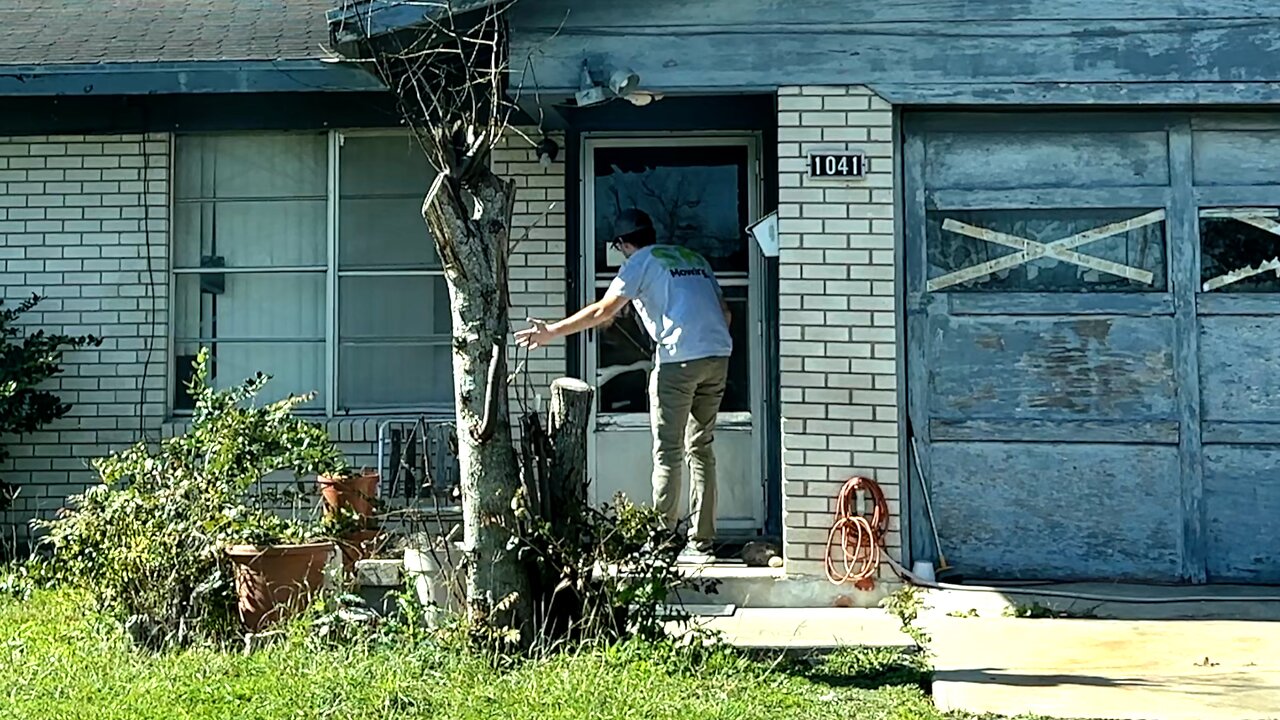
[[26, 361], [610, 575], [148, 540]]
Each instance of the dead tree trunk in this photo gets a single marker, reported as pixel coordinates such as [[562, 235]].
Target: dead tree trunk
[[568, 423], [471, 226]]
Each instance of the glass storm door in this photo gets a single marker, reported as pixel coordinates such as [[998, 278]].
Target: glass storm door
[[701, 193]]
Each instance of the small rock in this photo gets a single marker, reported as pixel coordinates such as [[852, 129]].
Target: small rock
[[843, 601], [253, 642], [761, 554], [358, 615]]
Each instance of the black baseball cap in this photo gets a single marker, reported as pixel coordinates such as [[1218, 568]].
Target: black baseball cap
[[631, 221]]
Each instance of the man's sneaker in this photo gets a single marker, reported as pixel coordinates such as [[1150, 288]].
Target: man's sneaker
[[695, 553]]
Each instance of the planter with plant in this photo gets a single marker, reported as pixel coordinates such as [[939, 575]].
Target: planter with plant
[[277, 563], [164, 540], [350, 507]]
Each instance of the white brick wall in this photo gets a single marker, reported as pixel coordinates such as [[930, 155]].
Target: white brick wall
[[538, 265], [84, 223], [837, 314], [72, 229]]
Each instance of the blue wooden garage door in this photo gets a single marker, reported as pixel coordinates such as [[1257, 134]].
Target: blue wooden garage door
[[1094, 327]]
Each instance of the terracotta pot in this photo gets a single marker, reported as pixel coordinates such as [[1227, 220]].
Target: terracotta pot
[[274, 582], [356, 492], [359, 545]]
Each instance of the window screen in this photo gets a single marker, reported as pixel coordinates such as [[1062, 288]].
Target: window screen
[[697, 197], [250, 243], [254, 280], [394, 325]]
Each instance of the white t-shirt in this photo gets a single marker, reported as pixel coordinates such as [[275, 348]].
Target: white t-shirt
[[678, 299]]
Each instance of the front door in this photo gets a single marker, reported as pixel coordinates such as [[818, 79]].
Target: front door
[[701, 193]]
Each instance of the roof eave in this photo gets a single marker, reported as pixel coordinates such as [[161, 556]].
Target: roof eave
[[186, 77]]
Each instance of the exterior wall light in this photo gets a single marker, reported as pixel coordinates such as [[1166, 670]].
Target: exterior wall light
[[548, 151]]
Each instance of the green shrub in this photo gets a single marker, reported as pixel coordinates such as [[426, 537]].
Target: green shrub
[[609, 575], [26, 361], [148, 540]]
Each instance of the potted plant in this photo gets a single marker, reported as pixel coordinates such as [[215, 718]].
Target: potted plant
[[278, 564], [356, 537], [354, 490], [180, 538], [350, 503]]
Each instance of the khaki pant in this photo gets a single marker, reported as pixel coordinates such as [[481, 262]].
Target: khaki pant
[[684, 399]]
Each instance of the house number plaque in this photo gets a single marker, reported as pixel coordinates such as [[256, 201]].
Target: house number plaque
[[837, 165]]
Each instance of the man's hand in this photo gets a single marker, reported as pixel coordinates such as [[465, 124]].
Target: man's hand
[[588, 317], [535, 337]]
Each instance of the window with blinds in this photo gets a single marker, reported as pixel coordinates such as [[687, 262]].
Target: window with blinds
[[304, 256]]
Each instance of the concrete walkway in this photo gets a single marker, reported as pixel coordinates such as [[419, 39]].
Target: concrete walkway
[[1121, 669]]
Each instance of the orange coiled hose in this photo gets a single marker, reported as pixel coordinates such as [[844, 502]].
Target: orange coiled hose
[[857, 535]]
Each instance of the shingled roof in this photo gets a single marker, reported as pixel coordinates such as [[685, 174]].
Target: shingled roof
[[43, 32]]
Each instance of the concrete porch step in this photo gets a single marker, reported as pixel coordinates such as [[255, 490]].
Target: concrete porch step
[[804, 629], [757, 587]]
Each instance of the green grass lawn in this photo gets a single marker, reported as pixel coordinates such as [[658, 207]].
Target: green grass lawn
[[58, 659]]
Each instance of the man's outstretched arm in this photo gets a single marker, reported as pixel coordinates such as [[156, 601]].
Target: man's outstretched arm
[[593, 315]]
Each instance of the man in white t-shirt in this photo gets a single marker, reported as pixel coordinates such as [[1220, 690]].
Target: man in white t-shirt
[[676, 295]]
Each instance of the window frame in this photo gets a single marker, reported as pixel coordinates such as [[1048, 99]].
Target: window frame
[[330, 407], [1226, 213]]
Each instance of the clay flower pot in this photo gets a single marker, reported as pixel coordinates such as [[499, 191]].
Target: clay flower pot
[[356, 492], [274, 582]]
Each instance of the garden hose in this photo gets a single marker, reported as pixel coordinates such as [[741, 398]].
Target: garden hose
[[859, 537]]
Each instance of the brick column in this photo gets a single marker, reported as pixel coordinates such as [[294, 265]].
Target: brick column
[[837, 307]]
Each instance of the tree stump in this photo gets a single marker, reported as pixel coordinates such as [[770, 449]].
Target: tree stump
[[568, 422]]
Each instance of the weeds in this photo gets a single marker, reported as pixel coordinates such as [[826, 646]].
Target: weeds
[[1036, 610], [906, 604]]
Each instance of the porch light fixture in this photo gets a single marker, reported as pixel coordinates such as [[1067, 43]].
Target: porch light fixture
[[624, 82], [548, 151]]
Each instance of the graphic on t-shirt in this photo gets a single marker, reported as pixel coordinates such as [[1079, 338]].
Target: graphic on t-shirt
[[680, 261], [675, 294]]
